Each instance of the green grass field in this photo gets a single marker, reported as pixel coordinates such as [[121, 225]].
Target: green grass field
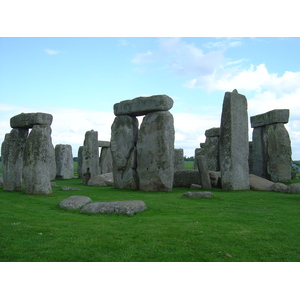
[[240, 226]]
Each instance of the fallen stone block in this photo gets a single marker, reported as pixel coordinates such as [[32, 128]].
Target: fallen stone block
[[294, 188], [259, 184], [195, 186], [197, 195], [102, 180], [143, 105], [69, 188], [278, 187], [118, 207], [75, 202]]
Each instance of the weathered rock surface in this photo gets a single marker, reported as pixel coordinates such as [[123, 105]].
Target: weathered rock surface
[[184, 178], [90, 154], [104, 144], [279, 153], [258, 183], [294, 188], [28, 120], [64, 161], [119, 207], [155, 152], [278, 187], [178, 159], [80, 159], [102, 180], [203, 172], [75, 202], [215, 179], [143, 105], [105, 160], [195, 186], [39, 165], [1, 180], [233, 142], [270, 117], [124, 133], [12, 150], [197, 195]]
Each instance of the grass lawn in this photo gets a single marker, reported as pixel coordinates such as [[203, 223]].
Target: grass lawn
[[239, 226]]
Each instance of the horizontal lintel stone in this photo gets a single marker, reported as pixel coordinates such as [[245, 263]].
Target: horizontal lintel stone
[[143, 105], [270, 117], [28, 120], [103, 144]]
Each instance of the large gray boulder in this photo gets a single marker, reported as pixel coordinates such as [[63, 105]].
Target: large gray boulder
[[294, 188], [233, 142], [118, 207], [12, 151], [278, 187], [75, 202], [124, 133], [39, 161], [155, 152], [64, 161], [143, 105], [102, 180], [28, 120]]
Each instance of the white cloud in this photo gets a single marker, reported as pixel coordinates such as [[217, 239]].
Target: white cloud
[[51, 52], [144, 58]]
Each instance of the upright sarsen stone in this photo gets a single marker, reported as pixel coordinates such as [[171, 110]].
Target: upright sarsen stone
[[39, 161], [233, 142], [124, 134], [64, 161], [155, 152], [12, 150], [90, 154]]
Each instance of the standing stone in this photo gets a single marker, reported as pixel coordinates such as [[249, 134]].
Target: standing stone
[[203, 172], [198, 151], [90, 154], [279, 153], [79, 164], [124, 133], [178, 159], [155, 152], [233, 143], [64, 161], [39, 161], [211, 149], [105, 160], [12, 150]]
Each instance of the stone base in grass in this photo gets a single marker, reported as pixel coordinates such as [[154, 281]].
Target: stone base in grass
[[75, 202], [117, 207]]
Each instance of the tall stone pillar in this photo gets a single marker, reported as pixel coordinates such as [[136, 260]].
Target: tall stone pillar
[[233, 143], [155, 152], [90, 154], [105, 160], [178, 159], [64, 161], [12, 151], [124, 133]]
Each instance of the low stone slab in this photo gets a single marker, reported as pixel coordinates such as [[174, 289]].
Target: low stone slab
[[294, 188], [197, 195], [195, 186], [75, 202], [143, 105], [117, 207], [28, 120], [259, 184], [270, 117], [53, 184], [69, 188], [102, 180], [278, 187]]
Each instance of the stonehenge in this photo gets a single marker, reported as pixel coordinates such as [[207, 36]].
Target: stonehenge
[[143, 157]]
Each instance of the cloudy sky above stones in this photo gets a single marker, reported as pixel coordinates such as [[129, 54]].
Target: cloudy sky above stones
[[78, 80]]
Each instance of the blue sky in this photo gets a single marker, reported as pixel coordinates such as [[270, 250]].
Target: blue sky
[[78, 80]]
